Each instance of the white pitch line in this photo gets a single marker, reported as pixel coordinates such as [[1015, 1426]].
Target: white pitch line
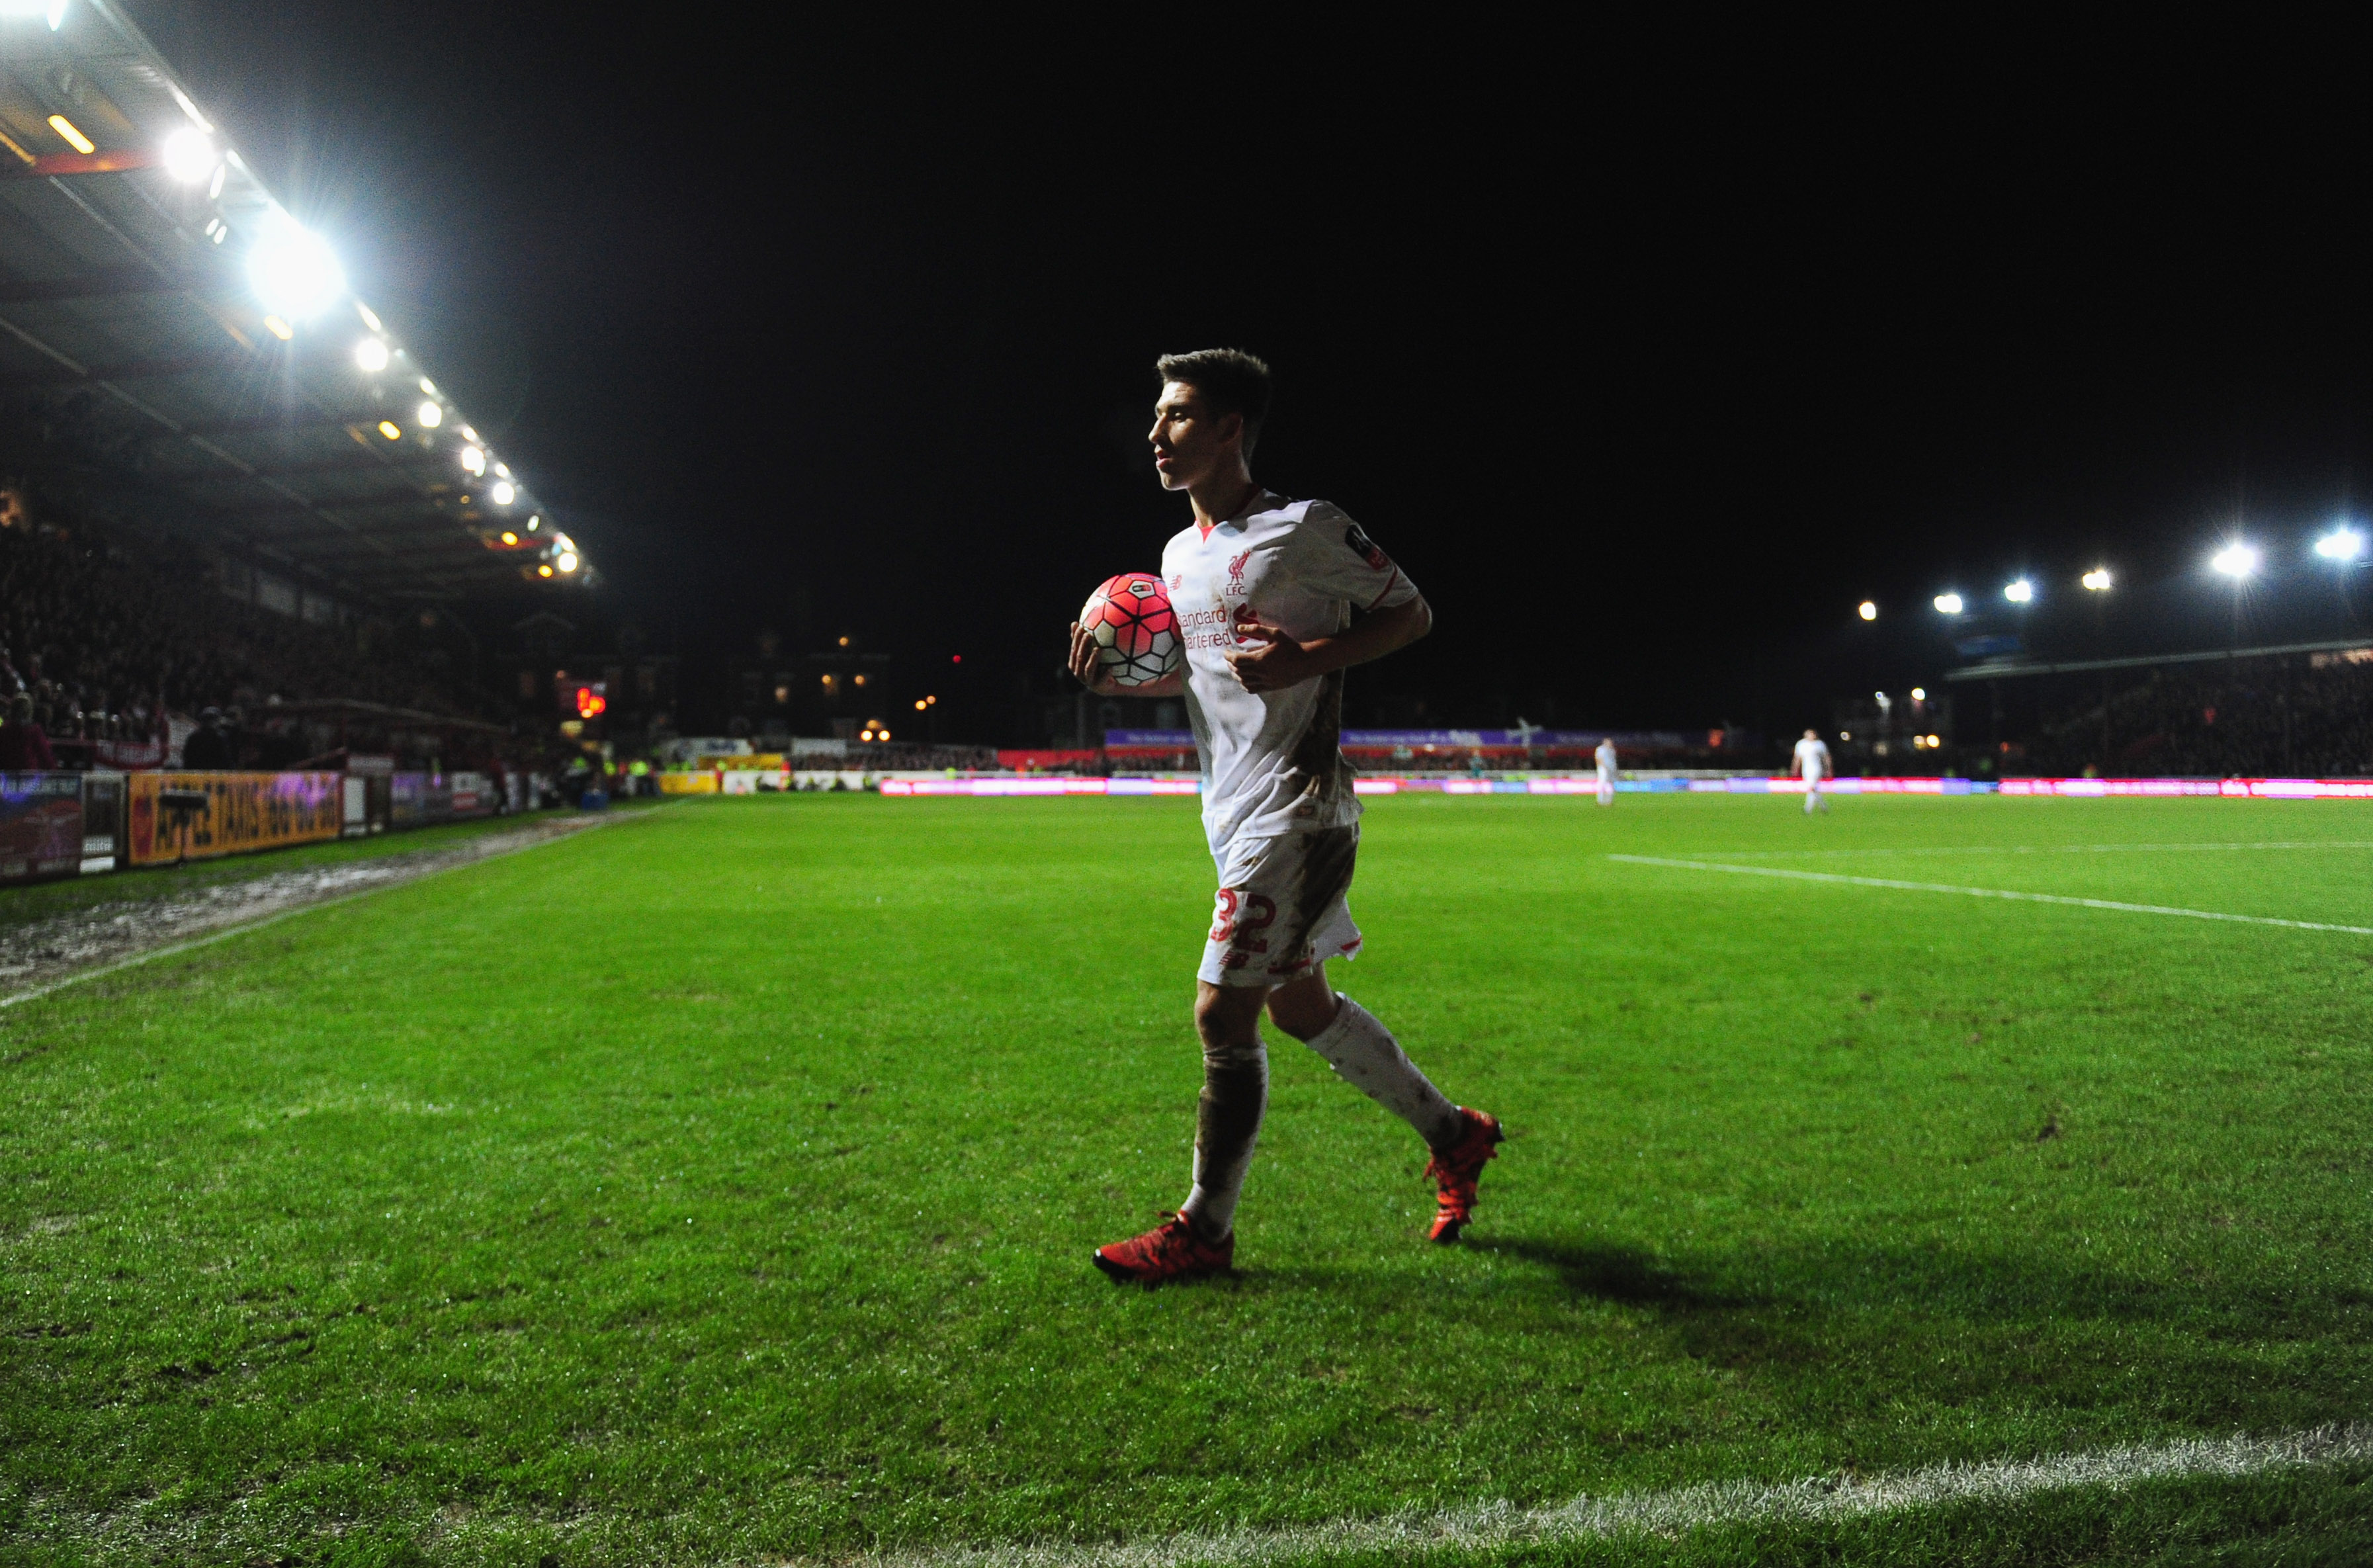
[[1990, 892], [2045, 848], [1814, 1500]]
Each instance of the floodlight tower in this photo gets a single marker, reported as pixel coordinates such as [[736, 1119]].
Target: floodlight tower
[[2097, 587], [2238, 560], [2345, 548]]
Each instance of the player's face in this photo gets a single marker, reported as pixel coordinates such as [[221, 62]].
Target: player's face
[[1189, 441]]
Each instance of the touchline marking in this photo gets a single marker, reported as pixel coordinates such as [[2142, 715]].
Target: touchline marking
[[2046, 849], [1990, 892], [1813, 1501]]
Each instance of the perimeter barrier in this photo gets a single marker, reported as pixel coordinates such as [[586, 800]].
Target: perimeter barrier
[[61, 824], [1745, 784]]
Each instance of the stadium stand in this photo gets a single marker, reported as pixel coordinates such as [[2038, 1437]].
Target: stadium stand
[[2306, 712], [225, 480], [105, 644]]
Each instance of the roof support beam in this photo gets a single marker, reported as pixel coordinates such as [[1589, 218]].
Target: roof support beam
[[107, 282]]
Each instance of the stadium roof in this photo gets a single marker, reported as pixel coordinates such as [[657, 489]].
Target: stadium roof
[[179, 356]]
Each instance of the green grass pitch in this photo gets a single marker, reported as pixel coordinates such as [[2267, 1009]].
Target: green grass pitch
[[719, 1187]]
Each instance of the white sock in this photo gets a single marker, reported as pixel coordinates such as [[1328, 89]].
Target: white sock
[[1365, 1054]]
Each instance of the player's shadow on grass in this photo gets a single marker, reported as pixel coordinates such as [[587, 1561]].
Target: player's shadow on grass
[[1623, 1274], [1862, 1326]]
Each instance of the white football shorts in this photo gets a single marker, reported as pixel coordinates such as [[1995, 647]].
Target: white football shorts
[[1284, 908]]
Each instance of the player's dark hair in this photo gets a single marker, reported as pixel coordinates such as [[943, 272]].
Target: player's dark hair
[[1231, 381]]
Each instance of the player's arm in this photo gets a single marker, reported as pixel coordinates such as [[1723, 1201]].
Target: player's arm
[[1089, 668], [1279, 661]]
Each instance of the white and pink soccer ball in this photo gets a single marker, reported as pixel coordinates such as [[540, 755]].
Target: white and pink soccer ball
[[1130, 617]]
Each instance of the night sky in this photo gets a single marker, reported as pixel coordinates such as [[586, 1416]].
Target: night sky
[[1647, 356]]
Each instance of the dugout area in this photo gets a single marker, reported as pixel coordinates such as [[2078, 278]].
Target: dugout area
[[750, 1222]]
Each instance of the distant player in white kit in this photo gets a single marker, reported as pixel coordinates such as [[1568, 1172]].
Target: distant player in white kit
[[1275, 600], [1813, 764], [1606, 755]]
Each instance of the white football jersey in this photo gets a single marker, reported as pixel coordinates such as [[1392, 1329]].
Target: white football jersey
[[1607, 759], [1272, 761], [1813, 759]]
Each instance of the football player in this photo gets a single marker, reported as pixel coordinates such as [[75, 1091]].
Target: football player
[[1813, 764], [1275, 600]]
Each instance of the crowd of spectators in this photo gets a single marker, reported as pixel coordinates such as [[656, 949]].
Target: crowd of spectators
[[2309, 715], [103, 645]]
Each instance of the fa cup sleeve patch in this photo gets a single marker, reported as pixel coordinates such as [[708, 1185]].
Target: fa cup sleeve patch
[[1360, 545]]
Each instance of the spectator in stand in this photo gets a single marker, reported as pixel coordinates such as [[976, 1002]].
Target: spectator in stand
[[208, 749], [23, 747]]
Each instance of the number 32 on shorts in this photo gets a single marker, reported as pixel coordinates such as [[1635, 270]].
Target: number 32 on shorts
[[1241, 914]]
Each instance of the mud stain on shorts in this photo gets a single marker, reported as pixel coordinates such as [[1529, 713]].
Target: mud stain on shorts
[[1327, 865]]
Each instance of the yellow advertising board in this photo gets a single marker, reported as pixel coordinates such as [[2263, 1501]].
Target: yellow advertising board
[[701, 783], [242, 811]]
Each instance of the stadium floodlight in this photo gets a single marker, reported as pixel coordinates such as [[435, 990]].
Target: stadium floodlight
[[427, 387], [279, 328], [504, 492], [370, 316], [73, 137], [1866, 610], [2096, 580], [544, 568], [54, 11], [1949, 603], [469, 434], [294, 273], [431, 416], [2237, 560], [509, 537], [389, 428], [502, 470], [2343, 544], [567, 561], [535, 522], [2020, 592], [371, 354], [1920, 694], [190, 156], [474, 460]]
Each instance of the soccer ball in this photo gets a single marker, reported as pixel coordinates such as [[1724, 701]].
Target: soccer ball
[[1130, 617]]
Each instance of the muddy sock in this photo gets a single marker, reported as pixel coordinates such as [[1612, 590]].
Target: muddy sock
[[1227, 1125], [1365, 1054]]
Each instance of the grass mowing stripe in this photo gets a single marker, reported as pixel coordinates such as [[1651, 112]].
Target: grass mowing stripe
[[1990, 893], [1812, 1501], [241, 927]]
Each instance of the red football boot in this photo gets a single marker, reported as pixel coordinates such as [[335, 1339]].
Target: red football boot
[[1171, 1251], [1456, 1170]]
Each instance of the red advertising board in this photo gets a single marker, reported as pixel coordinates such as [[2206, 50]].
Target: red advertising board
[[41, 825]]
